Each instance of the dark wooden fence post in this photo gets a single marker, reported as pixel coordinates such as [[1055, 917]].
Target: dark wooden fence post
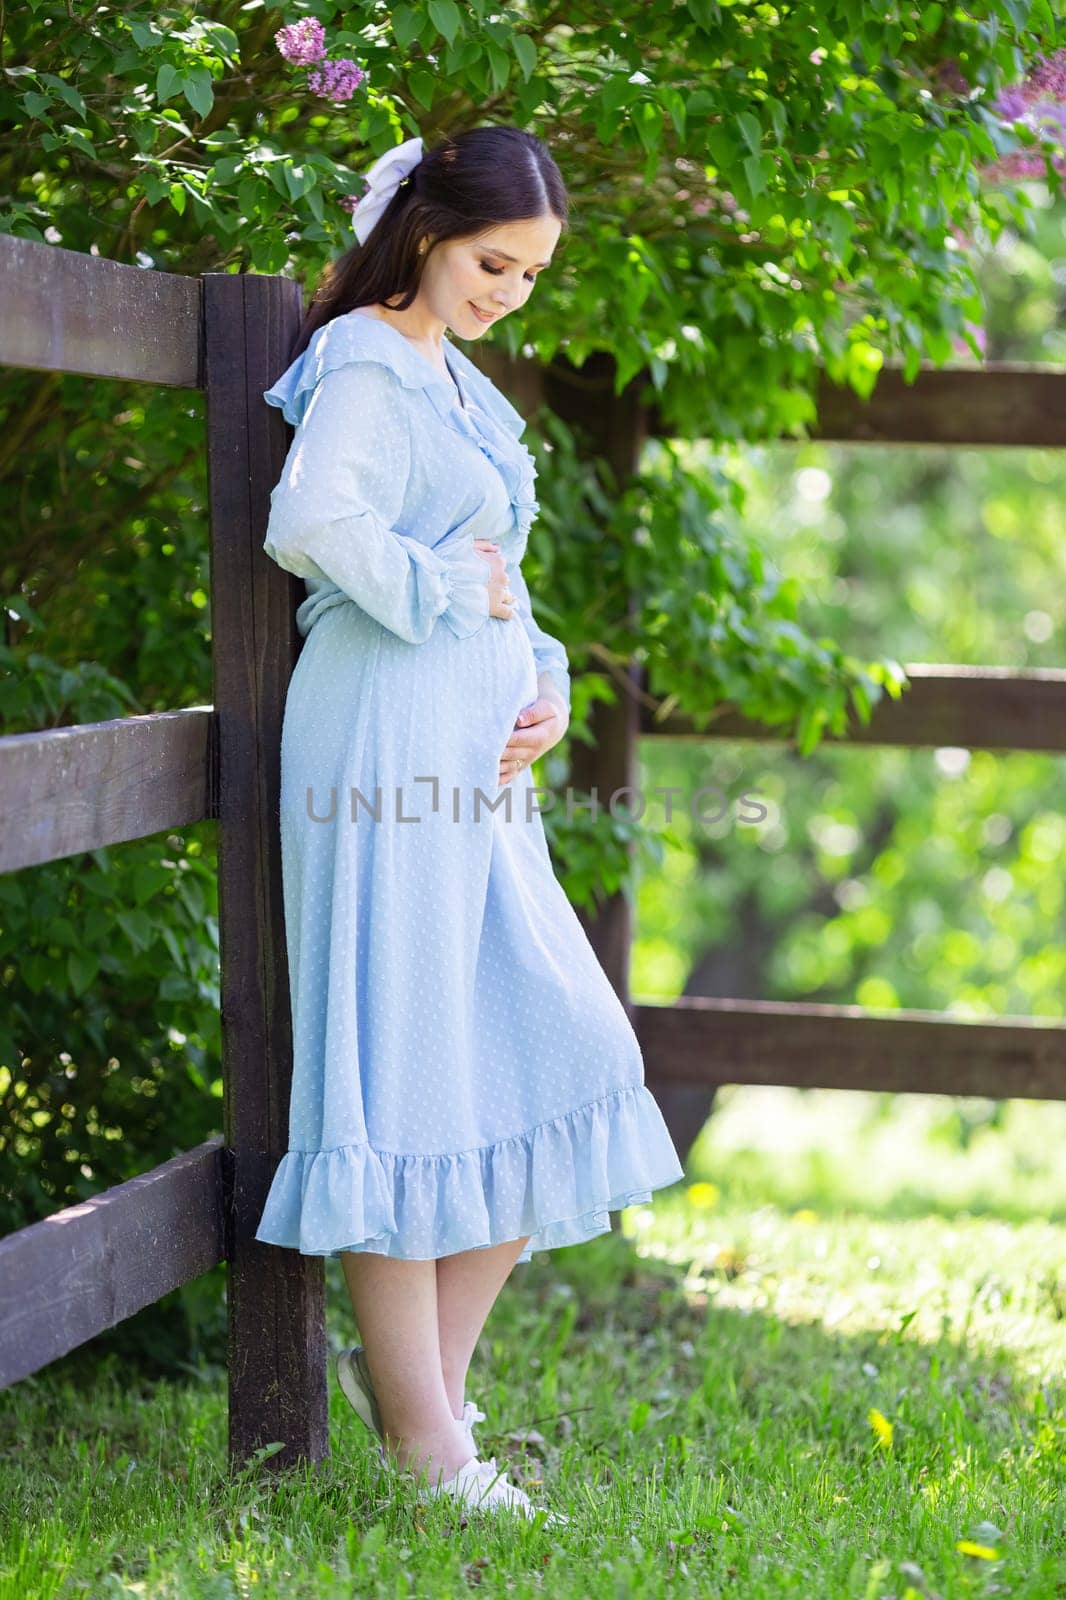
[[276, 1297]]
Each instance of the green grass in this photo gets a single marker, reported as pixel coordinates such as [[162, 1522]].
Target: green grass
[[738, 1396]]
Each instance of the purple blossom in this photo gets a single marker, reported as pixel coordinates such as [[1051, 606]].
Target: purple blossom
[[1048, 76], [336, 80], [1039, 102], [1011, 104], [1023, 164], [302, 42], [1050, 116]]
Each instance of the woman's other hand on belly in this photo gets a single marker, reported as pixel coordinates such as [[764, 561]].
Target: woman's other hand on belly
[[537, 728]]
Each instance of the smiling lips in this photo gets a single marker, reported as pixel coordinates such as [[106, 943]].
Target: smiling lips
[[486, 316]]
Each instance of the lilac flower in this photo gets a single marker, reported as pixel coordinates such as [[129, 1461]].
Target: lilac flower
[[1039, 102], [302, 42], [336, 80], [1048, 76], [1023, 164], [1011, 104]]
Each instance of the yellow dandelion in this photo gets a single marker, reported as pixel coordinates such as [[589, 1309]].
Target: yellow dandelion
[[702, 1196], [881, 1426], [984, 1552]]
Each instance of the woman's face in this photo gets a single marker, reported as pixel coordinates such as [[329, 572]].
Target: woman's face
[[493, 273]]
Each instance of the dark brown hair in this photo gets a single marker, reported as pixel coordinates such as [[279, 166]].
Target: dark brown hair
[[464, 185]]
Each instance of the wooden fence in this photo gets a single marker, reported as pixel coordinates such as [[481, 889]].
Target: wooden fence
[[70, 1276]]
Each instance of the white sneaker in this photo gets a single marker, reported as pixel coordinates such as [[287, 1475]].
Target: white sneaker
[[484, 1486], [471, 1414]]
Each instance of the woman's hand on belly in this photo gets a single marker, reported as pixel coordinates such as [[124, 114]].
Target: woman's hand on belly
[[501, 600], [537, 728]]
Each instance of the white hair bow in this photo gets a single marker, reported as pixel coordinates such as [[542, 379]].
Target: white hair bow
[[384, 178]]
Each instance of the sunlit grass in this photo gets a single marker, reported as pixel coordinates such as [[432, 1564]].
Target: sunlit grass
[[735, 1396]]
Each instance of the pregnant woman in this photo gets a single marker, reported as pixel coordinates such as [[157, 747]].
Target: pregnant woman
[[467, 1088]]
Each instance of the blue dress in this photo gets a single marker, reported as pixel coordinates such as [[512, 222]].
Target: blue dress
[[463, 1071]]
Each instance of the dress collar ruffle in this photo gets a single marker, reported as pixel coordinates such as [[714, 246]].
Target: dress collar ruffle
[[488, 419]]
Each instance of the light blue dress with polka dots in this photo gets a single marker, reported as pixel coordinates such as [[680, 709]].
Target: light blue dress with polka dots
[[463, 1071]]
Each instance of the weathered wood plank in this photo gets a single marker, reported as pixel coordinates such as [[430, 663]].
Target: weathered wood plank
[[64, 311], [65, 790], [714, 1041], [972, 708], [68, 1277], [1004, 403]]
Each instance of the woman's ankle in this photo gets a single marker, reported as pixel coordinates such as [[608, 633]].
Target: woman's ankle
[[455, 1387], [441, 1452]]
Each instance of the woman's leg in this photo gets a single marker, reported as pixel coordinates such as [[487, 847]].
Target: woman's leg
[[467, 1285], [395, 1305]]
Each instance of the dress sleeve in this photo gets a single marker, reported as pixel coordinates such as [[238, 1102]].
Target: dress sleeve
[[341, 489], [548, 653]]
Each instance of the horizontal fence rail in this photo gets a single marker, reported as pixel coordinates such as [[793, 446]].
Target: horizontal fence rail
[[68, 1277], [711, 1041], [1001, 403], [64, 311], [970, 708], [98, 783]]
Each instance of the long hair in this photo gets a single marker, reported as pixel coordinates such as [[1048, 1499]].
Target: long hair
[[464, 185]]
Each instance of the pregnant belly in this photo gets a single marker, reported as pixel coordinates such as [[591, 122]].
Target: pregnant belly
[[389, 711]]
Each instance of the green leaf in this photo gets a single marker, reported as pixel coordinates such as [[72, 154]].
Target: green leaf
[[778, 117], [423, 85], [36, 104], [82, 968], [226, 169], [73, 98], [248, 194], [755, 174], [526, 53], [167, 80], [752, 131], [677, 108], [617, 92], [811, 722], [647, 118], [79, 138], [446, 17], [499, 65], [706, 14], [199, 90], [405, 21], [298, 180], [723, 150], [145, 36], [137, 926]]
